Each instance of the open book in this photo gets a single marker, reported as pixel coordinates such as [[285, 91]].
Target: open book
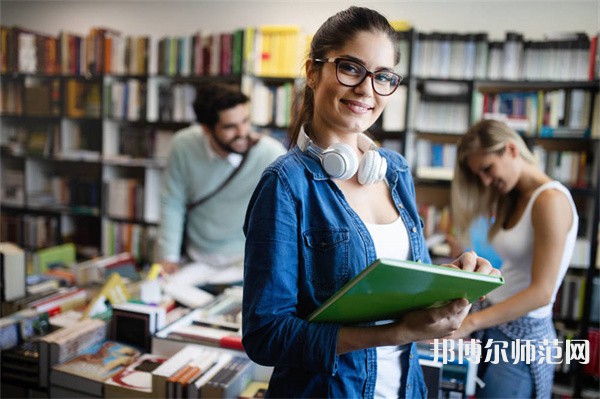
[[388, 288]]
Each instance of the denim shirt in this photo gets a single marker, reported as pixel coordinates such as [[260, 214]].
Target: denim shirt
[[303, 242]]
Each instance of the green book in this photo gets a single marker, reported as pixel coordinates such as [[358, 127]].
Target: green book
[[388, 288]]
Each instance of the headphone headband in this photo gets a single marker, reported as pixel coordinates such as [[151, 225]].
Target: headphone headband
[[306, 144]]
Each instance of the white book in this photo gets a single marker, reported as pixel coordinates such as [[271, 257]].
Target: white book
[[152, 99], [179, 360], [152, 188], [12, 260], [394, 115]]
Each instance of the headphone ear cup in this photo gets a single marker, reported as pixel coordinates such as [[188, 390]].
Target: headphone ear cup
[[372, 168], [382, 168], [368, 169], [339, 161]]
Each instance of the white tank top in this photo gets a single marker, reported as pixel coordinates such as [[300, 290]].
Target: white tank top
[[391, 241], [515, 247]]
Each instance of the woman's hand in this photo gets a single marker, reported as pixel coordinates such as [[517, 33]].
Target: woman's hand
[[469, 261], [465, 330], [414, 326], [431, 323]]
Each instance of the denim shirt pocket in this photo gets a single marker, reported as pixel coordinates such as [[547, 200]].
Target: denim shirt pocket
[[326, 257]]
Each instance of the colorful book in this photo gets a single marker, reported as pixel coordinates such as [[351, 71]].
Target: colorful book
[[87, 371], [255, 389], [135, 380], [67, 342], [389, 288]]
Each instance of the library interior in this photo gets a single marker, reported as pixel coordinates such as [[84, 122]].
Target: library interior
[[92, 94]]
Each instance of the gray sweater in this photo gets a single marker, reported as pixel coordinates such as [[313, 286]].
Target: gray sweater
[[192, 172]]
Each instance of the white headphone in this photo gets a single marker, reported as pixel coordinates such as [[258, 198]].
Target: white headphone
[[341, 162]]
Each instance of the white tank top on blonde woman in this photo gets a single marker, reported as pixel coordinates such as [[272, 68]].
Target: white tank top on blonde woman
[[515, 247], [391, 241]]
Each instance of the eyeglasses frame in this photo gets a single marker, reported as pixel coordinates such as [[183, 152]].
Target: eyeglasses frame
[[336, 61]]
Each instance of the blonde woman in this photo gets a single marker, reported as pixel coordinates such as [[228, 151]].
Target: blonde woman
[[534, 233]]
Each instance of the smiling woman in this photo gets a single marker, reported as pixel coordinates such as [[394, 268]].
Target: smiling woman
[[315, 221]]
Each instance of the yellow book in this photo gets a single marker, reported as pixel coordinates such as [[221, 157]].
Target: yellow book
[[279, 28], [113, 290], [401, 25], [249, 56], [264, 55], [540, 115]]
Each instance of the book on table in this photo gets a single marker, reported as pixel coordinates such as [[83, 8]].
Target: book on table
[[388, 288], [87, 372], [135, 380]]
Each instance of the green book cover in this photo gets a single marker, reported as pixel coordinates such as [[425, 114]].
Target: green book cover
[[388, 288]]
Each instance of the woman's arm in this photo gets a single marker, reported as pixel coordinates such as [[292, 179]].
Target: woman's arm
[[551, 222], [274, 333]]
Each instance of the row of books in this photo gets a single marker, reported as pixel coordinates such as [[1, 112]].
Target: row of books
[[553, 113], [125, 199], [102, 50], [133, 197], [170, 102], [120, 142], [272, 104], [93, 358], [41, 97], [63, 192], [434, 161], [126, 142], [40, 139], [32, 231], [202, 54], [28, 51], [130, 100], [122, 55], [572, 168], [139, 240], [441, 107], [569, 299], [451, 118], [83, 99], [125, 100], [435, 219], [265, 51], [570, 56], [565, 333], [593, 367], [278, 50]]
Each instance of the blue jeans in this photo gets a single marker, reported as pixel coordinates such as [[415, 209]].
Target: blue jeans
[[505, 379]]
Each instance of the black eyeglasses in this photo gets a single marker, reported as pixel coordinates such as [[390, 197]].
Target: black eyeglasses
[[351, 73]]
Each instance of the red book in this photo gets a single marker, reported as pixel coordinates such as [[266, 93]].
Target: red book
[[231, 342], [593, 56]]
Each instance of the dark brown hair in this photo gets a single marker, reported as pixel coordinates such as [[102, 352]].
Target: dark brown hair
[[334, 34], [212, 98]]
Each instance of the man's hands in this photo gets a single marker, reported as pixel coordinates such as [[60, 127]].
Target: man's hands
[[169, 267]]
